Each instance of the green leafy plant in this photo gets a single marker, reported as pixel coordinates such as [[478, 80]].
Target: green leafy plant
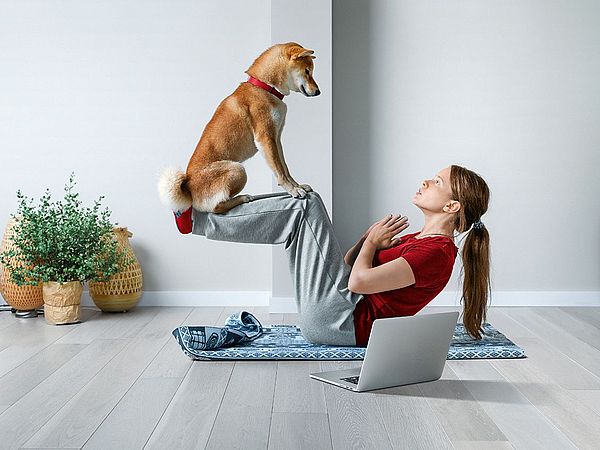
[[62, 241]]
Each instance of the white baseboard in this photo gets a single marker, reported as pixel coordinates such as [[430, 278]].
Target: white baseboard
[[544, 298], [196, 298], [499, 298], [288, 304]]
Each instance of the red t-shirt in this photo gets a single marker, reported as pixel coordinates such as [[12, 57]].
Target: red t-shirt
[[431, 260]]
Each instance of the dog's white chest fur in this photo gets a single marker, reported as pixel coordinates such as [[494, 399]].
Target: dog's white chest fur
[[278, 114]]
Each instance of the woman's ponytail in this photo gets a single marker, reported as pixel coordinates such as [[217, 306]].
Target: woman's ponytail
[[472, 192]]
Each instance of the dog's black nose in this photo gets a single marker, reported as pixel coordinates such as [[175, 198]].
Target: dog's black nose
[[318, 92]]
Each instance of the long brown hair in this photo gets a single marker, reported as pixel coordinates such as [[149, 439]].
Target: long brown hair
[[473, 194]]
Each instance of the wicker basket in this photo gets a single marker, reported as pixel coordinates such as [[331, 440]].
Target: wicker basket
[[22, 298], [124, 289]]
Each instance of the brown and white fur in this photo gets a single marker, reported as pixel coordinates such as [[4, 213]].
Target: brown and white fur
[[249, 120]]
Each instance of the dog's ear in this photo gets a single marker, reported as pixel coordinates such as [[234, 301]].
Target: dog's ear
[[299, 52]]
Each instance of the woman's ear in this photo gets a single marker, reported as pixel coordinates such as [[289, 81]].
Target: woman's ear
[[452, 206]]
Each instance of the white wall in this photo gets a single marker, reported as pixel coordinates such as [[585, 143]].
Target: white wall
[[308, 131], [508, 89], [117, 90]]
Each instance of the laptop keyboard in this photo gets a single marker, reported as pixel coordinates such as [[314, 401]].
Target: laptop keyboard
[[353, 380]]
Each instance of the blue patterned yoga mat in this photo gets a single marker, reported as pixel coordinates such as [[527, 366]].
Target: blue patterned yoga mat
[[281, 342]]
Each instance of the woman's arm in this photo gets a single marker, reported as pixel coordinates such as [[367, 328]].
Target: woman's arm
[[353, 252], [366, 279]]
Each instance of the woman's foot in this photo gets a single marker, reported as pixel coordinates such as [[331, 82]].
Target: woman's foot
[[184, 220]]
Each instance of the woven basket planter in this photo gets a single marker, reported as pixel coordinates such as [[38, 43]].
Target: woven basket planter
[[22, 298], [124, 289]]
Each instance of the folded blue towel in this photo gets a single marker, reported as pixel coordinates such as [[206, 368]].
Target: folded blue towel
[[239, 328]]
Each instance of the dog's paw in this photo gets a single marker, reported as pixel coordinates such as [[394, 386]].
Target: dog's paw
[[246, 198], [306, 187], [297, 192]]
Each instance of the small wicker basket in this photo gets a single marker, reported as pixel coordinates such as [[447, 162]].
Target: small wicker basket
[[22, 298], [124, 289]]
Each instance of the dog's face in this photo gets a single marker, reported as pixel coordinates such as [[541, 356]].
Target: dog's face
[[300, 71]]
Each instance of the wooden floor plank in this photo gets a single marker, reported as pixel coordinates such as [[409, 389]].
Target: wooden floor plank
[[25, 330], [581, 425], [247, 403], [73, 425], [22, 379], [188, 420], [295, 391], [409, 419], [30, 336], [479, 445], [355, 419], [559, 338], [171, 362], [298, 403], [72, 386], [513, 330], [131, 323], [591, 315], [461, 416], [558, 366], [590, 397], [6, 317], [94, 327], [299, 431], [508, 407], [154, 389], [577, 326], [132, 421], [26, 416]]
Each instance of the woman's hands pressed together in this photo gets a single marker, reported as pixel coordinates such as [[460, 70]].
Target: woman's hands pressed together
[[381, 234]]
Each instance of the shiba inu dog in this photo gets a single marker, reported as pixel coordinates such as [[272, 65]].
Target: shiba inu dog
[[249, 120]]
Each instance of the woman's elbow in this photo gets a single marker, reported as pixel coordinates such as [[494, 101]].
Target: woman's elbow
[[352, 284], [356, 285]]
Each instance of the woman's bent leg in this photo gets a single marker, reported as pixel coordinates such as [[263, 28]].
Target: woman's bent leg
[[270, 220], [315, 257]]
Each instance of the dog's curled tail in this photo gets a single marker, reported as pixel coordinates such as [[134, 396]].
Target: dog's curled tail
[[172, 189]]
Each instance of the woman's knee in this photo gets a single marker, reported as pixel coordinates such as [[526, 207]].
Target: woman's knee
[[314, 196], [315, 203], [310, 199]]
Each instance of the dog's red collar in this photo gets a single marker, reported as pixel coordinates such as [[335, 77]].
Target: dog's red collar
[[266, 87]]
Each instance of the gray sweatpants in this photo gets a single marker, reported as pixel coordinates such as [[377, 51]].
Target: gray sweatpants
[[315, 257]]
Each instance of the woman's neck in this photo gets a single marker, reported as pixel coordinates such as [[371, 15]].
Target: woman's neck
[[432, 228]]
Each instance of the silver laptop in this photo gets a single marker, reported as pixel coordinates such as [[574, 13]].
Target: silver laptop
[[401, 350]]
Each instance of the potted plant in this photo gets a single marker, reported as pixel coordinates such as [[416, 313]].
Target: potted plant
[[62, 244]]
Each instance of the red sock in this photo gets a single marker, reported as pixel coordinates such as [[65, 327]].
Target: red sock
[[184, 220]]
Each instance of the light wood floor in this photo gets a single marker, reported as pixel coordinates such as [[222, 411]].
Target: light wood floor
[[120, 381]]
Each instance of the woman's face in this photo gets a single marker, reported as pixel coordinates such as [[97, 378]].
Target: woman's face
[[434, 193]]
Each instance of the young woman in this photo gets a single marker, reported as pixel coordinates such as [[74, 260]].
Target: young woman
[[339, 297]]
